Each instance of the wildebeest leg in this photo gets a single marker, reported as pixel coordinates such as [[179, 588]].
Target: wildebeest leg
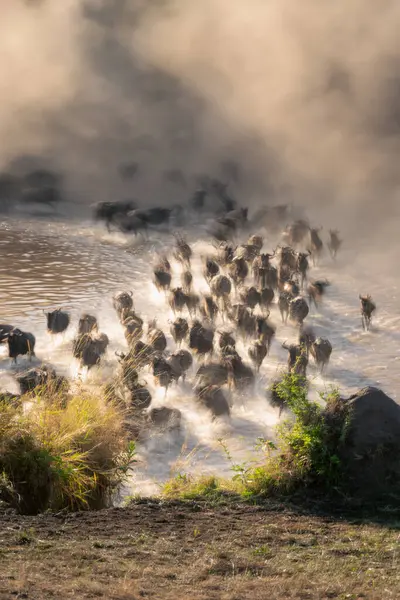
[[362, 322]]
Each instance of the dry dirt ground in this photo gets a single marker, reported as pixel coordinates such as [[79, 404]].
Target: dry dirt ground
[[194, 552]]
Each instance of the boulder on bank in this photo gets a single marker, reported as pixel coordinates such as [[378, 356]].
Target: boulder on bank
[[371, 443]]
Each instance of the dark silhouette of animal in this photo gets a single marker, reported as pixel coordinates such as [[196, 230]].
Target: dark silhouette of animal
[[139, 397], [156, 215], [306, 337], [263, 272], [177, 300], [297, 359], [368, 307], [226, 253], [133, 327], [295, 233], [211, 268], [221, 288], [315, 290], [57, 321], [288, 258], [240, 375], [132, 222], [192, 303], [183, 252], [213, 399], [179, 330], [20, 343], [284, 304], [163, 264], [201, 339], [180, 362], [109, 211], [163, 373], [39, 377], [250, 297], [209, 308], [334, 242], [245, 321], [298, 310], [238, 270], [122, 302], [265, 331], [5, 330], [257, 352], [187, 281], [87, 324], [303, 266], [214, 373], [162, 279], [89, 348], [267, 296], [163, 417], [316, 245], [321, 350], [226, 340], [156, 337]]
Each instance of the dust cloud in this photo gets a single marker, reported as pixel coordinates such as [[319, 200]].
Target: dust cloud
[[303, 96]]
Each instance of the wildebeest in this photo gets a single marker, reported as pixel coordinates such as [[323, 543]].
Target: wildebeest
[[87, 324], [183, 252], [257, 352], [213, 399], [20, 343], [284, 304], [298, 310], [245, 321], [303, 266], [250, 297], [211, 268], [201, 339], [179, 330], [163, 373], [297, 359], [192, 302], [122, 301], [187, 281], [265, 331], [177, 299], [316, 246], [367, 309], [288, 258], [108, 211], [139, 397], [240, 375], [133, 328], [163, 417], [43, 376], [334, 242], [89, 348], [238, 270], [57, 321], [295, 233], [221, 288], [156, 337], [316, 290], [180, 362], [5, 330], [264, 273], [131, 222], [321, 350], [267, 295], [306, 337], [226, 339], [156, 215], [209, 308], [214, 373], [162, 279]]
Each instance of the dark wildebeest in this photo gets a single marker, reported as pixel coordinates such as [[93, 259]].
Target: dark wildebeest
[[221, 288], [177, 299], [297, 359], [154, 216], [267, 295], [201, 339], [163, 263], [240, 375], [213, 399], [298, 310], [163, 417], [38, 377], [316, 246], [20, 343], [162, 279], [367, 308], [131, 223], [5, 330], [250, 297], [238, 270], [179, 330], [334, 243], [211, 269], [57, 321], [306, 337], [261, 269], [214, 373], [192, 303], [140, 397], [123, 302], [296, 232], [133, 326], [209, 308], [180, 362], [163, 373], [187, 281], [87, 324], [321, 350], [89, 348], [156, 337], [288, 258], [246, 322], [265, 331], [226, 340], [283, 304], [316, 290], [302, 266], [108, 211], [256, 241], [140, 355], [257, 352], [183, 252], [226, 254]]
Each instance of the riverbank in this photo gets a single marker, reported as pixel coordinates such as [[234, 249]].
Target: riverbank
[[194, 551]]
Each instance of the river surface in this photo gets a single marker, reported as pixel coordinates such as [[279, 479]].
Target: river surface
[[80, 266]]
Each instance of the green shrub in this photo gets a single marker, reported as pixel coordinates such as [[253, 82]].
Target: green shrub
[[62, 456]]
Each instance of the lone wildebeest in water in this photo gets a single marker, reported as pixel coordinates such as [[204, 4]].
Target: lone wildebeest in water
[[109, 211], [20, 343], [57, 321], [367, 309], [334, 243], [321, 351]]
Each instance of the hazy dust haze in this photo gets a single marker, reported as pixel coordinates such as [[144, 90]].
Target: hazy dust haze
[[304, 95]]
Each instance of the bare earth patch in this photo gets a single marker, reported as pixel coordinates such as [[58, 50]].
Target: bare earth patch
[[191, 552]]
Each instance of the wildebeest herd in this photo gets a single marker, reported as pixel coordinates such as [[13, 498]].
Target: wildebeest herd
[[243, 283]]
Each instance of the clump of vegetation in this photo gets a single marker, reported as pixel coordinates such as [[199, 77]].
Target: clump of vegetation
[[62, 455], [306, 454]]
